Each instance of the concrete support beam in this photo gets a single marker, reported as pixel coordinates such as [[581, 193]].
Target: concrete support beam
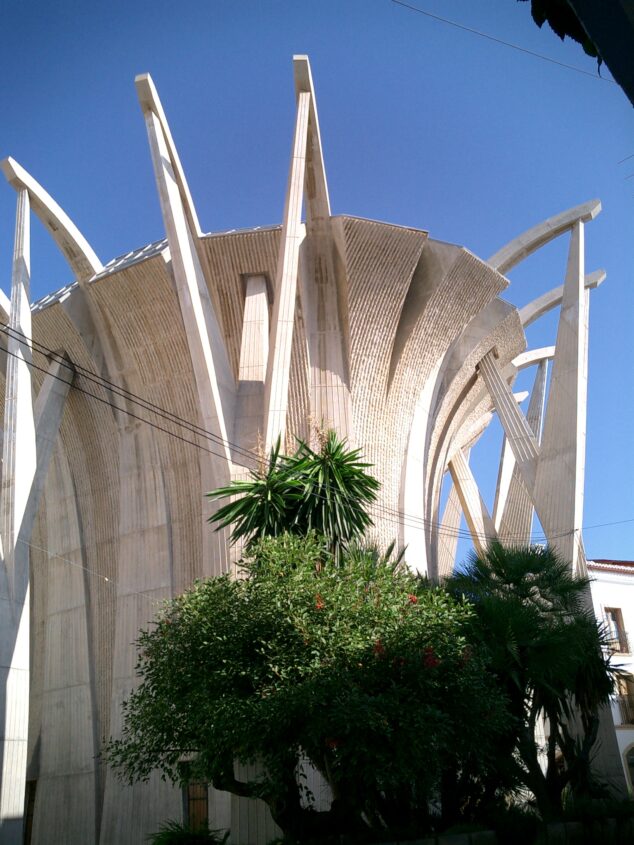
[[72, 244], [254, 353], [49, 408], [279, 361], [319, 288], [516, 518], [558, 491], [516, 428], [448, 534], [552, 299], [18, 471], [316, 186], [214, 380], [475, 511], [532, 239]]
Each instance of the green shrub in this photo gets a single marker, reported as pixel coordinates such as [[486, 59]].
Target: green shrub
[[174, 833]]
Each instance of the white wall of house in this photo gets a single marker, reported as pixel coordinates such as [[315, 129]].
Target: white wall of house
[[613, 599]]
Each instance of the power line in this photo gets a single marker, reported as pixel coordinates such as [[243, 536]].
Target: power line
[[393, 516], [401, 518], [116, 407], [388, 514], [122, 392], [500, 41], [410, 519]]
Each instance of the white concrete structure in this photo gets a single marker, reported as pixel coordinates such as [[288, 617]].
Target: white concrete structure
[[613, 601], [183, 356]]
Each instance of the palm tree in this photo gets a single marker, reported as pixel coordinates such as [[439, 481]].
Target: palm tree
[[549, 654], [326, 491]]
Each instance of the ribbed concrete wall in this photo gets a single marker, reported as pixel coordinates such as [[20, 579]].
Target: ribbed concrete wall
[[124, 501]]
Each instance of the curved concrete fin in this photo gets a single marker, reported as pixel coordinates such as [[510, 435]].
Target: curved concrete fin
[[150, 101], [551, 299], [73, 245], [315, 185], [532, 239], [533, 356]]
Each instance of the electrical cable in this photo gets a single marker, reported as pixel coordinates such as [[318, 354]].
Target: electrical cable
[[409, 520], [501, 41], [189, 426], [387, 514]]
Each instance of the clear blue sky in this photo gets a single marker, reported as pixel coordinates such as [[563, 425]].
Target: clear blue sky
[[422, 124]]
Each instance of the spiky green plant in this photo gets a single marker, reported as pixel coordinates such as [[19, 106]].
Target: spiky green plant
[[325, 490]]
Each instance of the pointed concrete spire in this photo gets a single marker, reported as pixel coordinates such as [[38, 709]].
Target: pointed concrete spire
[[214, 380], [321, 297], [283, 317]]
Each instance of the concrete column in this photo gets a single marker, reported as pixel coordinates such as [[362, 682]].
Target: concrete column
[[18, 471], [517, 430], [517, 515], [214, 379], [448, 534], [254, 352], [558, 493], [279, 362], [476, 513], [321, 291]]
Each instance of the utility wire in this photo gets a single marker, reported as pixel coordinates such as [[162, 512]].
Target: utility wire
[[401, 518], [116, 407], [500, 41], [387, 514], [122, 392], [410, 520]]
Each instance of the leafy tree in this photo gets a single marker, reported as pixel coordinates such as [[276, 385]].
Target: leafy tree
[[549, 656], [326, 491], [359, 667], [563, 21]]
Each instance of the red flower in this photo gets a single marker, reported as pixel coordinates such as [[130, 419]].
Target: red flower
[[430, 661], [379, 648], [331, 742], [319, 602], [412, 599]]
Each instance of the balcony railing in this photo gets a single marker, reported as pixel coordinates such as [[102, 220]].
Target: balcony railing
[[619, 644], [626, 708]]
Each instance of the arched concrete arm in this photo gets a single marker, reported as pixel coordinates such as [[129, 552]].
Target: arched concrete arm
[[75, 248], [552, 298], [533, 356], [521, 247], [317, 199], [150, 101]]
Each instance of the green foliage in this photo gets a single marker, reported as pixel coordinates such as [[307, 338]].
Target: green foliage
[[548, 654], [326, 491], [175, 833], [361, 668]]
